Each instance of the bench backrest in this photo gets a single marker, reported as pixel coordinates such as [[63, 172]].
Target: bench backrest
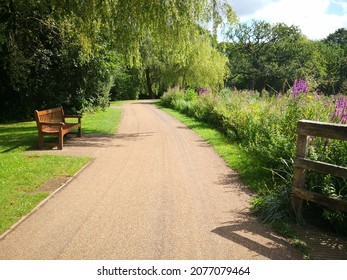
[[50, 115]]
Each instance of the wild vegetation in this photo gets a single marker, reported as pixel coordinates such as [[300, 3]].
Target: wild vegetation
[[264, 125]]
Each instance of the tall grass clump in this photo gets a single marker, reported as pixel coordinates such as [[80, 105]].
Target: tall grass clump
[[265, 126]]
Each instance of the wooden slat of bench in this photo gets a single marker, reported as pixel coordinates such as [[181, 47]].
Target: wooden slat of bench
[[54, 129], [53, 116], [50, 129], [49, 111]]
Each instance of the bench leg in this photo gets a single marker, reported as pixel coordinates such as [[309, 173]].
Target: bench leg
[[61, 139], [79, 132]]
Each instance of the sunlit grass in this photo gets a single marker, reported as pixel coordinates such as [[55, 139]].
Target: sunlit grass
[[102, 122]]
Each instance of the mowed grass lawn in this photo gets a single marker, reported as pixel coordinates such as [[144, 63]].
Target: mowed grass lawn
[[21, 174]]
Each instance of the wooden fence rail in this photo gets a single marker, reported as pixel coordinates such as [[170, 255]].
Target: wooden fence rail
[[301, 164]]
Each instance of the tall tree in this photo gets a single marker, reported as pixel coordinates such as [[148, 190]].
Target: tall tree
[[205, 66], [331, 60], [339, 39]]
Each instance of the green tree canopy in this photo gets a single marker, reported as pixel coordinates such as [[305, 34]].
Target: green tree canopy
[[334, 42], [339, 37], [264, 56], [205, 66]]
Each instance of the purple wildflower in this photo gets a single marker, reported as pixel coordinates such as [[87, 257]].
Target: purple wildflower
[[299, 86], [340, 112], [203, 91]]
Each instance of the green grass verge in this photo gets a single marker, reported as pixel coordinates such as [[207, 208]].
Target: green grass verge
[[120, 102], [102, 122], [21, 174]]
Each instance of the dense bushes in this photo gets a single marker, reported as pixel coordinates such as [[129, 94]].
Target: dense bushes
[[45, 62], [265, 126]]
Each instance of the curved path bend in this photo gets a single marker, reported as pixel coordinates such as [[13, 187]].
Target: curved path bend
[[155, 190]]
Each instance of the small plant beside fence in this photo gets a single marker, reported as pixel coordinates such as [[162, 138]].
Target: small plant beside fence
[[305, 129]]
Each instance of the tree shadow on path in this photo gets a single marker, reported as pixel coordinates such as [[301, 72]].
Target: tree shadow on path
[[249, 233]]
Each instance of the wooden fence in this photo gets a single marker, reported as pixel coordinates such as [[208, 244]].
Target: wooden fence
[[301, 164]]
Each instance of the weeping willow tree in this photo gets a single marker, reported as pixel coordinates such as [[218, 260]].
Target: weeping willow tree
[[63, 52]]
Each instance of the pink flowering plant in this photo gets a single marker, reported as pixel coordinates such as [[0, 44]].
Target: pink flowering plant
[[300, 86], [340, 113]]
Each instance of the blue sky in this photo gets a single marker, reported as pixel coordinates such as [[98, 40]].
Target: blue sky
[[316, 18]]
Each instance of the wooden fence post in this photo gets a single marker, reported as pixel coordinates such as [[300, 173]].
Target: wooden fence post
[[299, 176]]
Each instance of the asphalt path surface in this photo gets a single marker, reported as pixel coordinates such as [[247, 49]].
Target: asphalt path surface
[[154, 191]]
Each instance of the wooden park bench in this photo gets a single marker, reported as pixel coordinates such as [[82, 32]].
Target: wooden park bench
[[52, 122]]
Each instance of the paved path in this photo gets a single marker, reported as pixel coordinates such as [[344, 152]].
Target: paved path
[[154, 191]]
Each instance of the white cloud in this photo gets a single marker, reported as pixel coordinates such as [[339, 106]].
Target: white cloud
[[311, 16]]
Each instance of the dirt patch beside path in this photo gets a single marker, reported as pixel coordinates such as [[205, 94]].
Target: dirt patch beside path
[[53, 184]]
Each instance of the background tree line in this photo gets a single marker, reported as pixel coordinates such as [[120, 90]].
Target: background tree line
[[270, 57], [81, 54]]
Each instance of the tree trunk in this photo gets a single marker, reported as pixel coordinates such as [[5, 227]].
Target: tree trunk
[[149, 83]]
